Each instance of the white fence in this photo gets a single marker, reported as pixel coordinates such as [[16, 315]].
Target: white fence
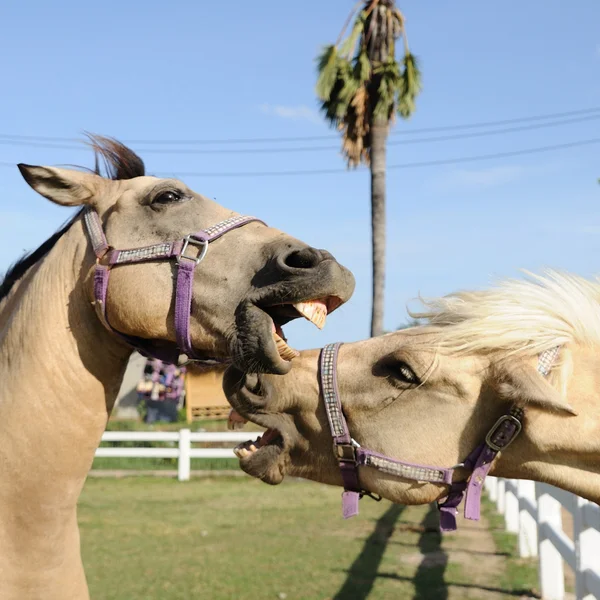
[[534, 512], [182, 451]]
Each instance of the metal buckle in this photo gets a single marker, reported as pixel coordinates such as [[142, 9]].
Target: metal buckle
[[345, 452], [190, 240], [494, 429], [371, 495]]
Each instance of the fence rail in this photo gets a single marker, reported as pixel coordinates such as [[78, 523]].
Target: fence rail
[[183, 451], [534, 512]]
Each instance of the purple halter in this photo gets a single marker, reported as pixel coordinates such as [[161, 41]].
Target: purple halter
[[351, 455], [108, 257]]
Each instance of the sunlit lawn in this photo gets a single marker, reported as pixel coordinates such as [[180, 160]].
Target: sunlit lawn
[[221, 539]]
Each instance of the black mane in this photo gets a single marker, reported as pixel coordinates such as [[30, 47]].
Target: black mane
[[119, 163]]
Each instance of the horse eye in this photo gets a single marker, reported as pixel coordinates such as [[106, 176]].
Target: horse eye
[[168, 197], [404, 373]]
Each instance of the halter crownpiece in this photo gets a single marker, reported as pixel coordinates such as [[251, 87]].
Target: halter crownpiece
[[351, 455], [108, 257]]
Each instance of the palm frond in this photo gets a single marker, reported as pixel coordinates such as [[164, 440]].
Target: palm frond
[[348, 46], [362, 66], [389, 80], [360, 81], [410, 86], [340, 96], [327, 67], [356, 128]]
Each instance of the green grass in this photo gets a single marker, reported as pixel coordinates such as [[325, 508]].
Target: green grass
[[239, 539], [223, 539], [520, 573]]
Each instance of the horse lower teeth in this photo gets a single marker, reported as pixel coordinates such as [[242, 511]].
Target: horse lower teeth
[[283, 349], [245, 449]]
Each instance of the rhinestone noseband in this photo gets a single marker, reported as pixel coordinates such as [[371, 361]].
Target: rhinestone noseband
[[350, 455]]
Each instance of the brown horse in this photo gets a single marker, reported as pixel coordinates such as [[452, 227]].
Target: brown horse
[[66, 335], [517, 362]]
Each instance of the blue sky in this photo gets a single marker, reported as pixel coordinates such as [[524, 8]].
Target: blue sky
[[199, 70]]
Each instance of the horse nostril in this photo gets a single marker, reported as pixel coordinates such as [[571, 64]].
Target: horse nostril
[[307, 258]]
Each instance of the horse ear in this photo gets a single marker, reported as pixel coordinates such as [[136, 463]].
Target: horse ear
[[523, 384], [63, 186]]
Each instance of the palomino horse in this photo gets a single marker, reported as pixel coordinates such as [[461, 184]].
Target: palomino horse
[[518, 363], [66, 335]]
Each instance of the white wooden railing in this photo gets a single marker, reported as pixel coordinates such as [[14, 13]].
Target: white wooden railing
[[182, 446], [534, 512]]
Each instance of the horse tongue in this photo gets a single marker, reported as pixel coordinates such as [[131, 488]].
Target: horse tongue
[[235, 420], [313, 310]]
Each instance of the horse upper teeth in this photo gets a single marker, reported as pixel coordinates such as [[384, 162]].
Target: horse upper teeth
[[313, 310]]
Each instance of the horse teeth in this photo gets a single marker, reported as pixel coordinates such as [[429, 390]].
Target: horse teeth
[[313, 310], [284, 350], [252, 448]]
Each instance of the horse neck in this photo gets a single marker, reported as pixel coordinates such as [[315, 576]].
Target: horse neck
[[61, 374]]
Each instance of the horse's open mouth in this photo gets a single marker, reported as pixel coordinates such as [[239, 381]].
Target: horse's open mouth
[[315, 311], [264, 457], [271, 437], [260, 344]]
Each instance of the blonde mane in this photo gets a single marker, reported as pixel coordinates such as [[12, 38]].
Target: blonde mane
[[517, 317]]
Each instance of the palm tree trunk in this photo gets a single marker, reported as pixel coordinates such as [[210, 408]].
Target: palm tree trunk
[[379, 132]]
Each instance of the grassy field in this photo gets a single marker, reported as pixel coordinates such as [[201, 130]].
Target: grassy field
[[518, 572], [224, 539]]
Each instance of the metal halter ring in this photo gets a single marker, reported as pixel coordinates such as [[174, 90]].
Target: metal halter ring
[[494, 429], [191, 240]]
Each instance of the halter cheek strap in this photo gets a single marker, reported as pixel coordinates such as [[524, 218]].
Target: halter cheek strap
[[108, 257], [350, 455]]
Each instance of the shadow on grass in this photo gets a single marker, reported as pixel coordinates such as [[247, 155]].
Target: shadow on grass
[[364, 570], [461, 550], [429, 579], [521, 593]]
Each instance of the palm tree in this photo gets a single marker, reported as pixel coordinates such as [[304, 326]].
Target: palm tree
[[362, 86]]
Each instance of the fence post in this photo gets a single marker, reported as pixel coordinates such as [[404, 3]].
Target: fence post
[[501, 493], [587, 550], [528, 543], [511, 506], [183, 463], [552, 578], [491, 485]]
